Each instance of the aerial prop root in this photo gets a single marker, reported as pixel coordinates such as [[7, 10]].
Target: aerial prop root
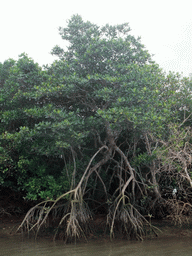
[[128, 218], [76, 213]]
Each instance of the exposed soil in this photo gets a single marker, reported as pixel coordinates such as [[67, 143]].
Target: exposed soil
[[9, 225], [170, 230]]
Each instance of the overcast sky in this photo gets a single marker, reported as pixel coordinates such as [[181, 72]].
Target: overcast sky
[[165, 27]]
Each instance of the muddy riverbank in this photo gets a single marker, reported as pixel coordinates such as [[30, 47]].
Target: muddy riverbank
[[9, 225]]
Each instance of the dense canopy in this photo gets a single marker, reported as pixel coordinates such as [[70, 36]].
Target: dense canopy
[[103, 130]]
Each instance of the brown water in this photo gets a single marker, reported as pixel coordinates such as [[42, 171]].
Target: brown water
[[28, 247]]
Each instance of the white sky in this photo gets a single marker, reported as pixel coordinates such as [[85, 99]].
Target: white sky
[[165, 27]]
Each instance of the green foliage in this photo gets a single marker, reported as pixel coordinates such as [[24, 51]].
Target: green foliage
[[143, 159], [104, 85]]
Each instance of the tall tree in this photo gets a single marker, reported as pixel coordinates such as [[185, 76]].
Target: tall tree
[[97, 105]]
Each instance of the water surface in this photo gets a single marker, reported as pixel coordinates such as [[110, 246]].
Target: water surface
[[18, 246]]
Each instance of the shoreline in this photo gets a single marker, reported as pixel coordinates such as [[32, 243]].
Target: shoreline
[[9, 225]]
